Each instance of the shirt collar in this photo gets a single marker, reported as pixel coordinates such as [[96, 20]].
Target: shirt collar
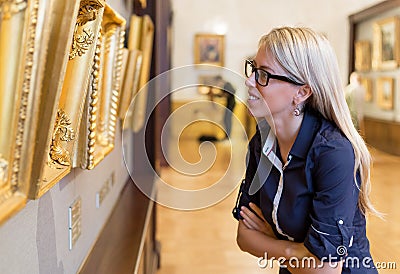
[[308, 129]]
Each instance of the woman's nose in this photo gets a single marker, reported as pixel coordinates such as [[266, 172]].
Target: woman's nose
[[251, 81]]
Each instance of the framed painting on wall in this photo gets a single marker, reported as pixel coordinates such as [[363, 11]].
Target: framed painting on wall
[[24, 33], [98, 124], [367, 84], [385, 86], [141, 38], [362, 55], [386, 44], [130, 82], [209, 49], [73, 43]]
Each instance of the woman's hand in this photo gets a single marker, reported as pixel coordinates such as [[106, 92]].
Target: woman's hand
[[256, 222]]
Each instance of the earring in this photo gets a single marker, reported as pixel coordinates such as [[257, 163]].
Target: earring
[[297, 111]]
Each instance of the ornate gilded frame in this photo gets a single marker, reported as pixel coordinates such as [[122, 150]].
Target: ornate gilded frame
[[131, 81], [141, 38], [22, 56], [75, 27], [98, 125]]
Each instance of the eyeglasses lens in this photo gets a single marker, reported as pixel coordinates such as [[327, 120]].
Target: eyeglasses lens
[[260, 75], [249, 68]]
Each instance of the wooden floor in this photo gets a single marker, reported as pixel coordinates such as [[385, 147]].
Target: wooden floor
[[203, 241]]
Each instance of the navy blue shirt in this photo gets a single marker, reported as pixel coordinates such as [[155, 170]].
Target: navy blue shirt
[[315, 194]]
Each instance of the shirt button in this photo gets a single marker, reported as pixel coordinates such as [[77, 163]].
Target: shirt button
[[340, 221]]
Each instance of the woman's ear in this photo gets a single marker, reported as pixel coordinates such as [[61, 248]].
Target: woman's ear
[[302, 94]]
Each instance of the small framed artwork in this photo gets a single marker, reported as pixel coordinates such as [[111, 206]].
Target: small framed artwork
[[362, 55], [367, 84], [385, 91], [209, 49], [386, 44]]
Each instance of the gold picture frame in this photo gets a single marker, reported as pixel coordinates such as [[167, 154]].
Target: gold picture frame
[[367, 84], [385, 92], [386, 44], [141, 38], [130, 84], [22, 33], [73, 35], [362, 55], [209, 49], [98, 125], [124, 67]]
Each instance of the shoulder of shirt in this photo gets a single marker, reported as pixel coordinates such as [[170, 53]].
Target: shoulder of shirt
[[330, 136]]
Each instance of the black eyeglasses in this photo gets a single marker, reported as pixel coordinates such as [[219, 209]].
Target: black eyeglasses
[[263, 76]]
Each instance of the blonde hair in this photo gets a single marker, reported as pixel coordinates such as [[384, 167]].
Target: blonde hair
[[308, 58]]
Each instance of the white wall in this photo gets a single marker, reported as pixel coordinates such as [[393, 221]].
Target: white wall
[[243, 22]]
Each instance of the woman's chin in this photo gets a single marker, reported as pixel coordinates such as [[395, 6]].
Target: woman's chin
[[256, 113]]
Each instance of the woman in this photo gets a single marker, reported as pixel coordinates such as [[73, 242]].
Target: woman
[[309, 207]]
